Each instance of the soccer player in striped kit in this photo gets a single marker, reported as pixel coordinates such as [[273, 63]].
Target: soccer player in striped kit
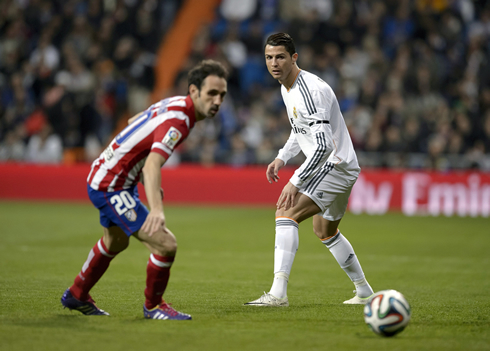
[[137, 154], [321, 186]]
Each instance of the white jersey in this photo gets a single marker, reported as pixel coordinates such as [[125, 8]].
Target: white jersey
[[318, 129]]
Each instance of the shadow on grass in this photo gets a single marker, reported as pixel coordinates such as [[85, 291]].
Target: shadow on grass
[[73, 321]]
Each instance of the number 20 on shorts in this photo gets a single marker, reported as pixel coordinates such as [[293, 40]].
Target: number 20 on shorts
[[122, 202]]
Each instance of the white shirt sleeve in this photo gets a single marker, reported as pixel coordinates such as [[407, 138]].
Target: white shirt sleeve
[[290, 149]]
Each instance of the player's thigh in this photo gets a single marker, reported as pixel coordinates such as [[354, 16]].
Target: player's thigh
[[161, 243], [323, 228], [304, 208], [331, 194], [120, 208]]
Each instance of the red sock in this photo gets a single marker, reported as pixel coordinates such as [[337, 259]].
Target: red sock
[[97, 263], [157, 275]]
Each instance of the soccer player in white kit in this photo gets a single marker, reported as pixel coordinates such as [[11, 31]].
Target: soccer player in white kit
[[321, 186]]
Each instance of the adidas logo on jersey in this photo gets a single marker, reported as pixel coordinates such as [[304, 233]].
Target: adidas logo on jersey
[[319, 195]]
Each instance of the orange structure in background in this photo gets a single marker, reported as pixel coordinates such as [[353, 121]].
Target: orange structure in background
[[171, 57], [177, 44]]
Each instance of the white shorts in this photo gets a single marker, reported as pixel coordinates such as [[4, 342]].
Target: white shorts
[[331, 194]]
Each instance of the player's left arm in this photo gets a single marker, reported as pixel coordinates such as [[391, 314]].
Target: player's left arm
[[166, 137], [162, 193], [152, 182]]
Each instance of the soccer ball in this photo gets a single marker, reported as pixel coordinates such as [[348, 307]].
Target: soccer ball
[[387, 313]]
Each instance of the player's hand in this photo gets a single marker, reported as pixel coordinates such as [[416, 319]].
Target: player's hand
[[288, 197], [273, 169], [154, 222]]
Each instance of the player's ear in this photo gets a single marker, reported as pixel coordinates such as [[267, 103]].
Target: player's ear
[[294, 57], [193, 90]]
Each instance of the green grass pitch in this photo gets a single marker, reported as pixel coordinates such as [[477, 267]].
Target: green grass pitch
[[225, 258]]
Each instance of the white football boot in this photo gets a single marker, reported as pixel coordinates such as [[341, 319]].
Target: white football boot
[[269, 300], [356, 300]]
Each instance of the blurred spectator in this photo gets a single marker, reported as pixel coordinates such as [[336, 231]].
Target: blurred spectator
[[486, 132], [13, 147], [46, 54], [44, 147], [83, 64], [238, 10], [234, 49]]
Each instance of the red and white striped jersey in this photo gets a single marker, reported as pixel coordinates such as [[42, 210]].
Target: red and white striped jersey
[[161, 128]]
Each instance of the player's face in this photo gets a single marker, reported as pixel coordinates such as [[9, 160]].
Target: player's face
[[208, 100], [279, 62]]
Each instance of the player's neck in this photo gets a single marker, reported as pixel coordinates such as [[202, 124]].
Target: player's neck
[[291, 78], [199, 116]]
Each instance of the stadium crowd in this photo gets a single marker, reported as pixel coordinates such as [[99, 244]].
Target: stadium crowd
[[412, 76], [69, 70]]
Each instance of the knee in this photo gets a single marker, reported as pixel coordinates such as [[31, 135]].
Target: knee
[[296, 214], [281, 213], [121, 245], [165, 245], [320, 233], [116, 243], [325, 232], [171, 247]]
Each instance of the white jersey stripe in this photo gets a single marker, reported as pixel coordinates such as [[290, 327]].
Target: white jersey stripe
[[113, 182], [99, 176], [162, 147]]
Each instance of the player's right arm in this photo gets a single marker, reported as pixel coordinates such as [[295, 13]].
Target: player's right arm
[[290, 149], [273, 170], [152, 182]]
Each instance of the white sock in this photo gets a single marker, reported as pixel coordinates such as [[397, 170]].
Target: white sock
[[287, 241], [363, 289], [343, 252]]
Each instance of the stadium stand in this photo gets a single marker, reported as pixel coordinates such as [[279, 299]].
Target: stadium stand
[[412, 77]]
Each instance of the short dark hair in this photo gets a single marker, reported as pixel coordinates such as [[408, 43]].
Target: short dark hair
[[205, 68], [282, 39]]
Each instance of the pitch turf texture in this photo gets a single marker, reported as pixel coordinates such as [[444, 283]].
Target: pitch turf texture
[[225, 258]]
